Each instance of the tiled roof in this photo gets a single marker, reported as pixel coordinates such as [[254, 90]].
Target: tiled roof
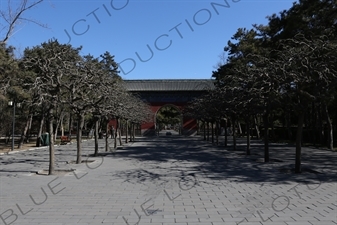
[[169, 85]]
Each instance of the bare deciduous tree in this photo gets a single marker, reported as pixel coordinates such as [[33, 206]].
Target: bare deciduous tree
[[13, 15]]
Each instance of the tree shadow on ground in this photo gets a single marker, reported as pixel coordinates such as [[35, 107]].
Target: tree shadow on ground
[[182, 157]]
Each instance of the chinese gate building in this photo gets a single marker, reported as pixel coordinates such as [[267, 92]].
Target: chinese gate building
[[176, 93]]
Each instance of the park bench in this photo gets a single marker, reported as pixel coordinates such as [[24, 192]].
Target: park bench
[[64, 140]]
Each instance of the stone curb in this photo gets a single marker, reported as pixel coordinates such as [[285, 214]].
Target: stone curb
[[36, 148], [24, 150]]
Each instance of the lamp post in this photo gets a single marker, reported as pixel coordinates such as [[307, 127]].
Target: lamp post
[[13, 104]]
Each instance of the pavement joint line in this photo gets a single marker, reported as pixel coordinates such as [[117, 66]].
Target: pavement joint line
[[104, 190]]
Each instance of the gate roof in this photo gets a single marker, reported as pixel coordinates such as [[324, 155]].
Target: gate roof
[[169, 85]]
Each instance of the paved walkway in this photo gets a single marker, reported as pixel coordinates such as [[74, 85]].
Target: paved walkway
[[169, 180]]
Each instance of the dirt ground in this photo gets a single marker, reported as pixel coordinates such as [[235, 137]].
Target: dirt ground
[[4, 148]]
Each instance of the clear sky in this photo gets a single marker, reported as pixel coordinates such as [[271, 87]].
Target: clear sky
[[154, 39]]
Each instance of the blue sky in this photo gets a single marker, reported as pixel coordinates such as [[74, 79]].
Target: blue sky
[[150, 39]]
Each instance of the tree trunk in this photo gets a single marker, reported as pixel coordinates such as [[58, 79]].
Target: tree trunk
[[335, 128], [248, 136], [133, 132], [24, 132], [70, 125], [234, 133], [212, 131], [299, 143], [217, 132], [256, 128], [126, 131], [51, 143], [59, 122], [288, 119], [116, 133], [226, 133], [96, 135], [321, 127], [204, 130], [29, 129], [56, 128], [330, 128], [266, 136], [284, 125], [38, 139], [239, 128], [207, 131], [272, 127], [130, 131], [120, 135], [62, 127], [8, 136], [80, 123], [107, 136], [313, 124]]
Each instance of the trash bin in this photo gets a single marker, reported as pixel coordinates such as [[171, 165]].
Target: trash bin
[[45, 139]]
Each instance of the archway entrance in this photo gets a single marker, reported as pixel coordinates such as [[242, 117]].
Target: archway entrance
[[176, 93], [169, 120]]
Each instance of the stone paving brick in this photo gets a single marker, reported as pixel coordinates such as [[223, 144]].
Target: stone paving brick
[[200, 223], [175, 224], [324, 222], [118, 187]]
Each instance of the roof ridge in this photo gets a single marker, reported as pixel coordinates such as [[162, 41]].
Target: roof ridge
[[169, 85], [170, 80]]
